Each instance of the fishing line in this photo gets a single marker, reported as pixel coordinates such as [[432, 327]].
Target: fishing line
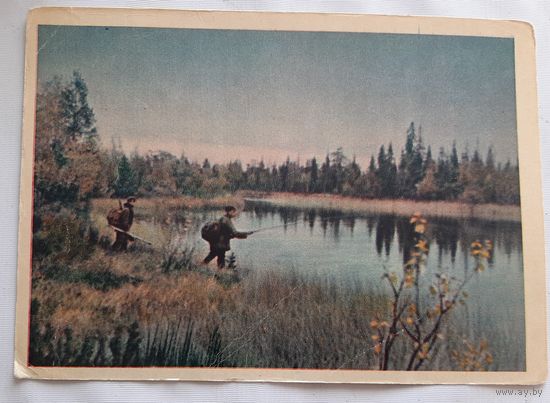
[[340, 216]]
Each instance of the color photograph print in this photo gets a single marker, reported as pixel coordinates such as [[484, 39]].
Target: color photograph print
[[214, 198]]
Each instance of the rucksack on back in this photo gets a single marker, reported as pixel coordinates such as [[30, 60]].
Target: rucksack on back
[[210, 231], [113, 217]]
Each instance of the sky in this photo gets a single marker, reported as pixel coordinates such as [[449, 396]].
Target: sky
[[252, 95]]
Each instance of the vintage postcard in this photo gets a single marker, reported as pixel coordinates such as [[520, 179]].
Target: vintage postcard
[[280, 197]]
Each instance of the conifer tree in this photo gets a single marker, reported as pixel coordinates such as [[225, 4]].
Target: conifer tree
[[453, 185], [78, 116], [427, 187], [386, 172], [373, 184], [411, 170], [325, 175], [125, 184], [313, 176]]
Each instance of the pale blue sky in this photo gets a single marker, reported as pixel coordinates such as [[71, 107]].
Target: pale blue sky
[[248, 94]]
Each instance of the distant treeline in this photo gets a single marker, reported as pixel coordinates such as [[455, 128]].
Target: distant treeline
[[70, 165]]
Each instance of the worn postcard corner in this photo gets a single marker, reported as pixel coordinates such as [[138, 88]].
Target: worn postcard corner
[[22, 370], [279, 197]]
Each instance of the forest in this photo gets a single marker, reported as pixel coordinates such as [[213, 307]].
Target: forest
[[73, 165]]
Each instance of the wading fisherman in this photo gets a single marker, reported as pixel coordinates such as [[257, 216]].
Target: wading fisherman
[[219, 233], [123, 221]]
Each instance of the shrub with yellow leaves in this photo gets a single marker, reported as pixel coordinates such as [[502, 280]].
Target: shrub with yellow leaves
[[422, 325], [473, 357], [481, 253]]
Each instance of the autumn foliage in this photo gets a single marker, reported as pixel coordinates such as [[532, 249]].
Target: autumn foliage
[[418, 315]]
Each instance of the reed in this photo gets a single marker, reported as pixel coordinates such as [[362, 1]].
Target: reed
[[269, 320], [162, 205], [397, 207]]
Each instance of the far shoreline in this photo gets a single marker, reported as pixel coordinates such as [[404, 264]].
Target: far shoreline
[[402, 207], [321, 201]]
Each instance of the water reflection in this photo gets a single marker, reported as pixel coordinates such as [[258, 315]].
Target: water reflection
[[310, 216], [449, 235], [405, 237], [385, 229]]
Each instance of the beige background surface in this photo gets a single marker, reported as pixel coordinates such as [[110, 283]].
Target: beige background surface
[[536, 236]]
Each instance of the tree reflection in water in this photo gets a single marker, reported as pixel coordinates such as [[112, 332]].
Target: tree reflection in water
[[449, 234]]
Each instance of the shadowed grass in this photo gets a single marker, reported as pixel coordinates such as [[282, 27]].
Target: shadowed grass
[[102, 280]]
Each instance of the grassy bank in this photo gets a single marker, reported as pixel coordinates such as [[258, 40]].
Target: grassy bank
[[398, 207], [127, 310], [159, 306]]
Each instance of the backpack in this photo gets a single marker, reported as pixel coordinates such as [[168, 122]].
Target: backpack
[[210, 231], [113, 217]]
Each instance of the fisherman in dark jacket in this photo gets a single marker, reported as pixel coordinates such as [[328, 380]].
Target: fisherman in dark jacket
[[124, 223], [227, 231]]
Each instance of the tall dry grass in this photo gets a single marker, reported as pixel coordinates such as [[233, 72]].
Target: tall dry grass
[[162, 206], [397, 207], [266, 320]]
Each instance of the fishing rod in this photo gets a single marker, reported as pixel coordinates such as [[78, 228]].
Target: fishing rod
[[274, 226]]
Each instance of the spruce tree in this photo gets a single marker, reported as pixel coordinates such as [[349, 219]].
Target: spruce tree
[[411, 170], [313, 176], [339, 161], [387, 172], [325, 175], [391, 176], [373, 184], [78, 116], [442, 174], [454, 188], [125, 184], [429, 159], [381, 171], [284, 175]]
